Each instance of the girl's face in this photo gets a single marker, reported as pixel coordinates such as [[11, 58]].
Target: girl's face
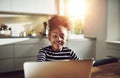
[[58, 37]]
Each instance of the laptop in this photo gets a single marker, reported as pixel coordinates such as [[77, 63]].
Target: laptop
[[58, 69]]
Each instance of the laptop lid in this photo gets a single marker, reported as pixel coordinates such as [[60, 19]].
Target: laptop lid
[[58, 69]]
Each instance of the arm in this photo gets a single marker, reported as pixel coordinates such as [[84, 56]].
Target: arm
[[73, 56], [41, 56]]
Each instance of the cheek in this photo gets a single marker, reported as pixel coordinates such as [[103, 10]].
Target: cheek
[[65, 40], [51, 39]]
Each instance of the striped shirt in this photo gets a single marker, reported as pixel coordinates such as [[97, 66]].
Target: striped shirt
[[47, 54]]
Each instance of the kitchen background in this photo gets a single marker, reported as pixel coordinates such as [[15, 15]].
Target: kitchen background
[[17, 49], [101, 30], [20, 46]]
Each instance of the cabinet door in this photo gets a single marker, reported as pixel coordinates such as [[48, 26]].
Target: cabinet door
[[20, 61], [46, 6], [5, 5], [6, 51], [6, 65], [25, 6], [26, 50]]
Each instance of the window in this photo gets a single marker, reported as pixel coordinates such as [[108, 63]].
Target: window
[[76, 10]]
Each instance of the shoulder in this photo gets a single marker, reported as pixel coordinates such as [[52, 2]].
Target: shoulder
[[67, 49], [47, 48]]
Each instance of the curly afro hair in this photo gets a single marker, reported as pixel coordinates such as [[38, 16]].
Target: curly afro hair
[[56, 21]]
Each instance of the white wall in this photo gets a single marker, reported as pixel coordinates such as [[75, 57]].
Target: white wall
[[96, 25], [84, 48], [113, 20]]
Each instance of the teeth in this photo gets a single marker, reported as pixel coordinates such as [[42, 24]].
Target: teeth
[[58, 42]]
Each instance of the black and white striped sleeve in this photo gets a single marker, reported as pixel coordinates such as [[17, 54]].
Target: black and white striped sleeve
[[41, 56], [73, 56]]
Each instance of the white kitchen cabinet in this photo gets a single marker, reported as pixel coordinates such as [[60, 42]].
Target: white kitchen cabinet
[[13, 56], [29, 6], [6, 51], [29, 47], [6, 65], [6, 58], [46, 6], [25, 6], [26, 50], [5, 5], [19, 62], [34, 6]]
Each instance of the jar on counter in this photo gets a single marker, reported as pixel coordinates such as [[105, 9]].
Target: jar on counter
[[2, 31], [23, 34]]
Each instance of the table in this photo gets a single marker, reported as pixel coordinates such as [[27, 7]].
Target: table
[[111, 70]]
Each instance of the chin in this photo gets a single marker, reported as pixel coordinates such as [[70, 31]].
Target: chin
[[58, 49]]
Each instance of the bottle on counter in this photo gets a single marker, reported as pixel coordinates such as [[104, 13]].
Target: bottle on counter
[[33, 33], [0, 31], [45, 29], [10, 29]]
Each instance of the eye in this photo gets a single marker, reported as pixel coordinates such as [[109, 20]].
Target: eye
[[55, 36], [62, 36]]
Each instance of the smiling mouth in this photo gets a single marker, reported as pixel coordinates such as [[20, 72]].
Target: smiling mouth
[[59, 43]]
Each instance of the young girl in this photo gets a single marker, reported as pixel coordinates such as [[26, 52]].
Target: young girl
[[58, 33]]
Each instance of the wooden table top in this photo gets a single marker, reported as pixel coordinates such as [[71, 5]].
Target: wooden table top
[[111, 70]]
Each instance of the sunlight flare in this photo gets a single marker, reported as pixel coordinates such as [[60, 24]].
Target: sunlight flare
[[77, 8]]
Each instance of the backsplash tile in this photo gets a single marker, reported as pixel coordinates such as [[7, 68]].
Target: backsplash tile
[[25, 23]]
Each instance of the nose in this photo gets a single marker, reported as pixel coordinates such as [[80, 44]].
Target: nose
[[59, 38]]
